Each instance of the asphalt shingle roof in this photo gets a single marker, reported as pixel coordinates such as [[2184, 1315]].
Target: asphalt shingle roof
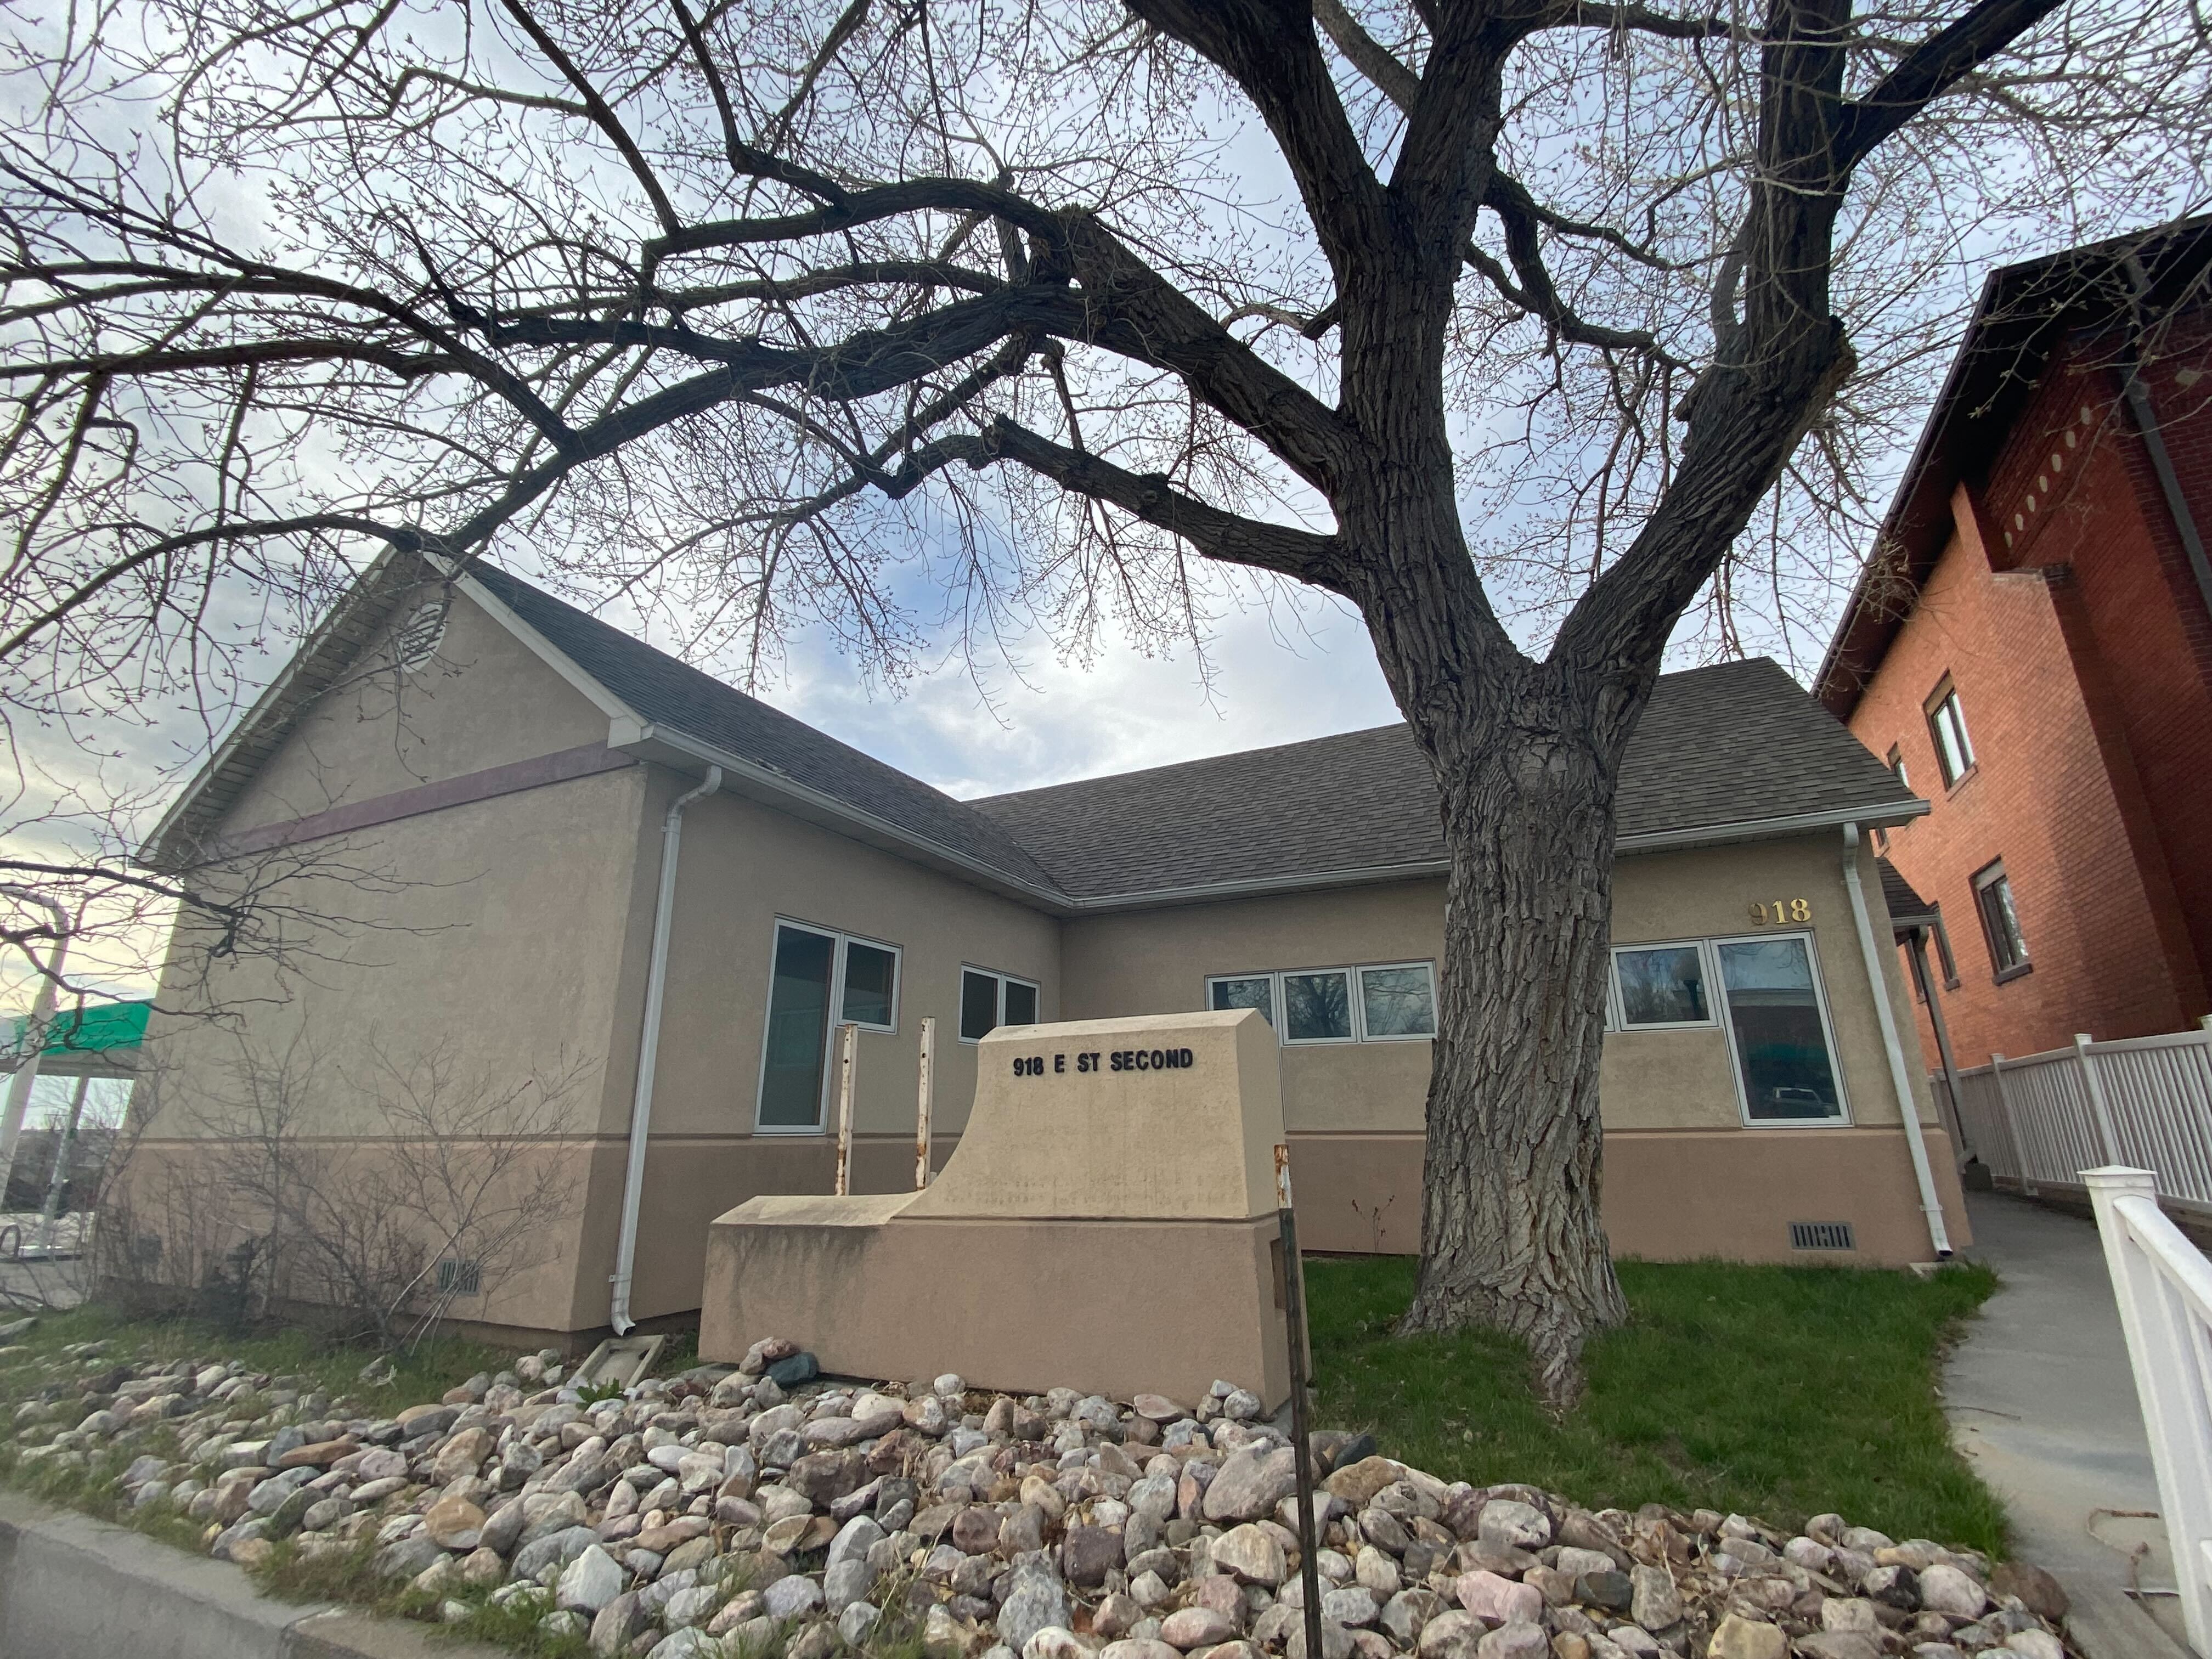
[[1734, 743], [671, 694]]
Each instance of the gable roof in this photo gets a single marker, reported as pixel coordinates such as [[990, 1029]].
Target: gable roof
[[2025, 314], [1723, 753], [1720, 753]]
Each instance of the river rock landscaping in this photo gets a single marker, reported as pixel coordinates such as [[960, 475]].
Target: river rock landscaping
[[772, 1512]]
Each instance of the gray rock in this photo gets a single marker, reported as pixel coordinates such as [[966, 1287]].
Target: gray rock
[[1406, 1614], [1655, 1603], [688, 1643], [793, 1596], [1512, 1524], [1250, 1483], [1088, 1553], [503, 1530], [556, 1550], [846, 1581], [855, 1622], [854, 1539], [1335, 1640], [1035, 1600], [619, 1621], [589, 1581], [409, 1557], [1352, 1606]]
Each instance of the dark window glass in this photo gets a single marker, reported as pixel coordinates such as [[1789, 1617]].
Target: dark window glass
[[870, 982], [1946, 724], [1021, 1003], [1254, 991], [2000, 920], [1663, 987], [797, 1031], [1397, 1002], [979, 1003], [1780, 1043], [1317, 1007]]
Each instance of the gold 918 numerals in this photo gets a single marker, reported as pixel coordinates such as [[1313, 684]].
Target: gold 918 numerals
[[1775, 912]]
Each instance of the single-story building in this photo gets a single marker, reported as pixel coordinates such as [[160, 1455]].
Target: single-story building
[[512, 767]]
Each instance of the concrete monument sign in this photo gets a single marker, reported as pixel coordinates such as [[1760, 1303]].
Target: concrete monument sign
[[1107, 1222]]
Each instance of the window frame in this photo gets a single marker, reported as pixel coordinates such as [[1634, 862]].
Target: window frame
[[1990, 875], [1283, 1007], [1843, 1119], [1946, 695], [838, 941], [1895, 761], [1617, 1004], [1354, 973], [1359, 972], [999, 998], [1273, 1014]]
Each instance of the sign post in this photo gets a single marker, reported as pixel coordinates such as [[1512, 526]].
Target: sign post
[[1294, 1316]]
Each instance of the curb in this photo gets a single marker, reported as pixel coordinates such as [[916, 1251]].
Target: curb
[[71, 1585]]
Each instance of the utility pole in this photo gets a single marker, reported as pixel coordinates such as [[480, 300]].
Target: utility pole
[[36, 1032]]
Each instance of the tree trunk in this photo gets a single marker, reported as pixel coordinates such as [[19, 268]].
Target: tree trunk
[[1511, 1235]]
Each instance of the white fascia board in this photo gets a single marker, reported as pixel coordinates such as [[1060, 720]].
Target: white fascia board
[[1800, 824], [621, 717], [1258, 886]]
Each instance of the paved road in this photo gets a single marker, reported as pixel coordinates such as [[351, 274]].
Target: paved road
[[2042, 1402]]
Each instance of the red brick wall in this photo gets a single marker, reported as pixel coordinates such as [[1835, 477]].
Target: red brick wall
[[2065, 611], [2039, 797]]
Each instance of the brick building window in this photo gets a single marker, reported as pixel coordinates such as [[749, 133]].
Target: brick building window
[[2000, 921], [1947, 725]]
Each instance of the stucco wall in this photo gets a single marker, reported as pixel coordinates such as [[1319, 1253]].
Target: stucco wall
[[483, 701], [743, 866]]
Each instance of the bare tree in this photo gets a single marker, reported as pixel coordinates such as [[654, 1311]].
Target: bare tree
[[256, 1204], [1516, 324]]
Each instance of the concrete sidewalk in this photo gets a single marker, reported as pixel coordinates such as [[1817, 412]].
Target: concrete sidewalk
[[2042, 1404]]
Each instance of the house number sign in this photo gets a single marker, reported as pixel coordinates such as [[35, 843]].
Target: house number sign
[[1775, 912], [1120, 1059]]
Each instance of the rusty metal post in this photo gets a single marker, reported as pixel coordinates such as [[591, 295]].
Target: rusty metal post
[[922, 1105], [1294, 1316], [849, 1037]]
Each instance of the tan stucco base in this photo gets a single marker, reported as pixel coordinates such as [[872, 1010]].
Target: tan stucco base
[[1111, 1307], [1670, 1195]]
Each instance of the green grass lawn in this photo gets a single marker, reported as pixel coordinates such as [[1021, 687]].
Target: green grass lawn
[[1779, 1392]]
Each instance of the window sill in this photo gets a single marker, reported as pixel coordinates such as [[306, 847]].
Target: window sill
[[2011, 974], [1951, 788]]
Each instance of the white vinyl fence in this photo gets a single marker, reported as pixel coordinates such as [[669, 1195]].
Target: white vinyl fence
[[2164, 1287], [2146, 1102]]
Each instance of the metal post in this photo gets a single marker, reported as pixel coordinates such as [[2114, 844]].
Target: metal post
[[2099, 1108], [922, 1105], [36, 1030], [1919, 955], [48, 1216], [1294, 1316], [847, 1037]]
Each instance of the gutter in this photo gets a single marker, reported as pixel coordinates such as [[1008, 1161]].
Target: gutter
[[1900, 1079], [2154, 439], [641, 1110]]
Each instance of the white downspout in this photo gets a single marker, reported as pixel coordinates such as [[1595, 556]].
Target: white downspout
[[641, 1110], [1930, 1205]]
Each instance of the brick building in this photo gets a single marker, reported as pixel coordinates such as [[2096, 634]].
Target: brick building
[[2031, 650]]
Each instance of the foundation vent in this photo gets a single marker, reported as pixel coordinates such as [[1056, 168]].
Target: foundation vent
[[460, 1278], [1822, 1235]]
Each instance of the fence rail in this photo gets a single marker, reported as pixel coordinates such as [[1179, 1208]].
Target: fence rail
[[2142, 1101], [2164, 1287]]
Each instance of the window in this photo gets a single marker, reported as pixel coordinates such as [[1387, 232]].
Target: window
[[1778, 1030], [988, 1000], [2000, 922], [1946, 724], [1251, 991], [1896, 764], [816, 970], [1661, 985], [1317, 1006], [1397, 1003], [1382, 1002]]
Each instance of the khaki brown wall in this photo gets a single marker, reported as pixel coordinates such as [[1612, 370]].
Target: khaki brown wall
[[496, 929], [485, 700], [1354, 1111], [741, 866]]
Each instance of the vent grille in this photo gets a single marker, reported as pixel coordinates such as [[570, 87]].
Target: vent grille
[[459, 1278], [416, 640], [1822, 1235]]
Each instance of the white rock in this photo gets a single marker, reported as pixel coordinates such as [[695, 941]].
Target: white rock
[[855, 1622], [589, 1583], [793, 1596]]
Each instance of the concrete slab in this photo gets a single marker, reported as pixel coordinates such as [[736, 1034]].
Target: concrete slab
[[2042, 1404]]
